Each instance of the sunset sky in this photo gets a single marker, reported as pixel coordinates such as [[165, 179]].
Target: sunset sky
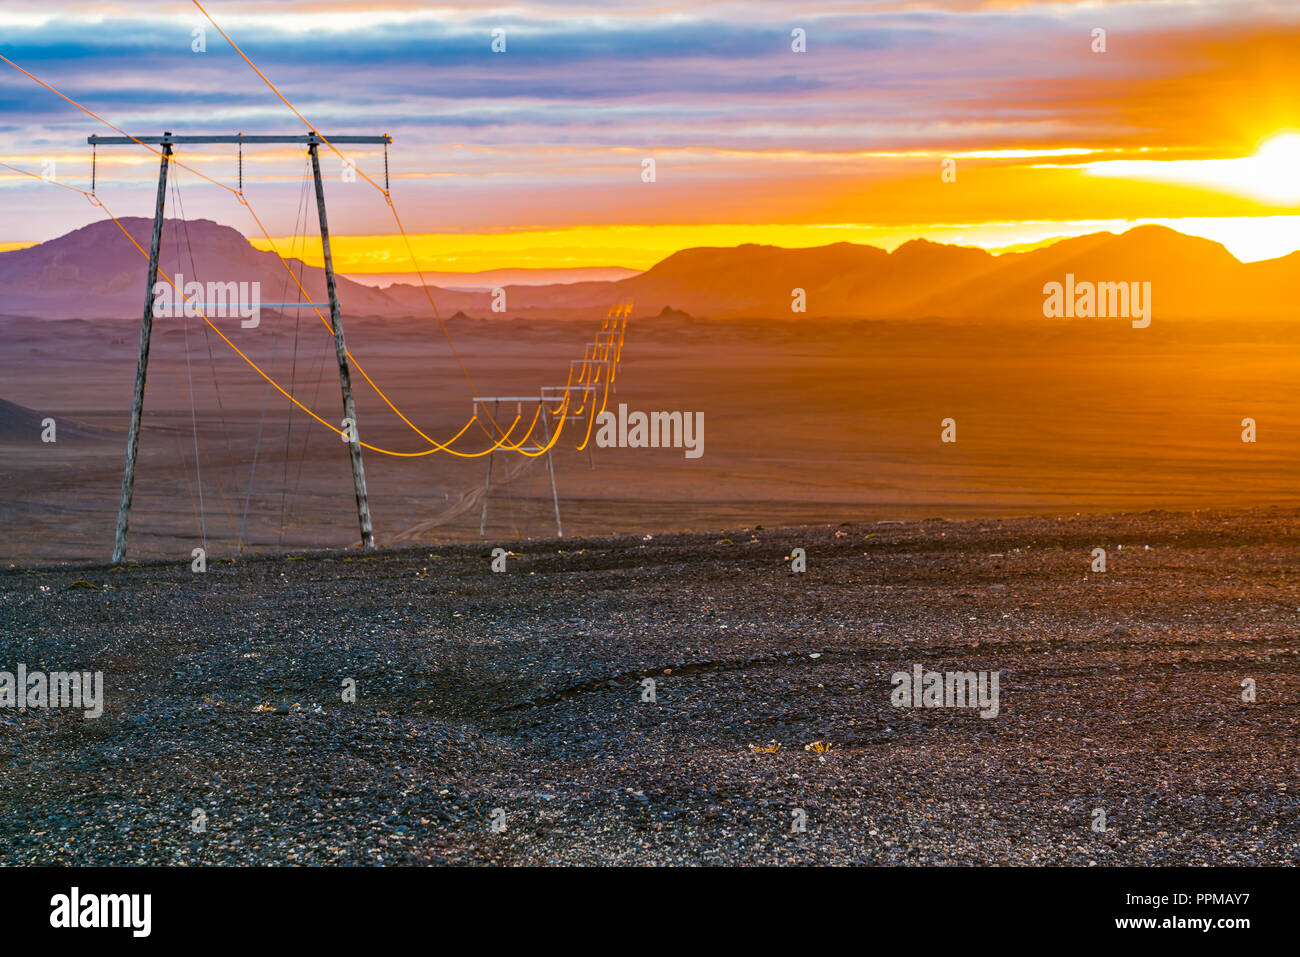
[[533, 157]]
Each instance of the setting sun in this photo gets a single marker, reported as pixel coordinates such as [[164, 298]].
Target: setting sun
[[1271, 175]]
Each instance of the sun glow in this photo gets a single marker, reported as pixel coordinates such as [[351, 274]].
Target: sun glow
[[1272, 175]]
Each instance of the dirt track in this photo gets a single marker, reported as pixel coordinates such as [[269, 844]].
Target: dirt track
[[521, 691]]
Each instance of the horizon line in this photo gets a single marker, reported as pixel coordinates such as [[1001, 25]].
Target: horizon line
[[552, 250]]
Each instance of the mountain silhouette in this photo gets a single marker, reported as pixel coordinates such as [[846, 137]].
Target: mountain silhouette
[[94, 272]]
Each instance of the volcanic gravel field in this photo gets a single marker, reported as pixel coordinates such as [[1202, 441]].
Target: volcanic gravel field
[[522, 691]]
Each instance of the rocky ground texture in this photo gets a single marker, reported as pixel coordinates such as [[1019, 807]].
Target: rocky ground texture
[[517, 698]]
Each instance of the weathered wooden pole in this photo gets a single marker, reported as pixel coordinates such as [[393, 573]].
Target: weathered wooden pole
[[340, 348], [487, 486], [142, 364], [555, 496]]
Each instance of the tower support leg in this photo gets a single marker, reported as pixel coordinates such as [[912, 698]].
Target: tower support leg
[[555, 497], [341, 350], [487, 487], [142, 366]]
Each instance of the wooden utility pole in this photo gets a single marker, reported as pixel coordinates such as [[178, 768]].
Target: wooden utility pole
[[550, 468], [312, 141], [341, 350], [142, 364]]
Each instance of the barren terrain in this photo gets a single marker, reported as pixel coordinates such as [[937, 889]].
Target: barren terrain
[[522, 691]]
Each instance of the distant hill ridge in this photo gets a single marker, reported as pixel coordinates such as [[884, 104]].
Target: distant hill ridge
[[95, 272], [21, 424]]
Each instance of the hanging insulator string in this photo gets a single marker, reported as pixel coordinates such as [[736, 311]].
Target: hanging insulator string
[[241, 164], [94, 155], [385, 167]]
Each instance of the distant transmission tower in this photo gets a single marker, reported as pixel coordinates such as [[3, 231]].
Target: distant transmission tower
[[601, 357]]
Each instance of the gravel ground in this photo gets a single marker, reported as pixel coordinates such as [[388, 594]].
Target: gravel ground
[[521, 691]]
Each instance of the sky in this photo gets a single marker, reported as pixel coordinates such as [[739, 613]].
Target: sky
[[536, 156]]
